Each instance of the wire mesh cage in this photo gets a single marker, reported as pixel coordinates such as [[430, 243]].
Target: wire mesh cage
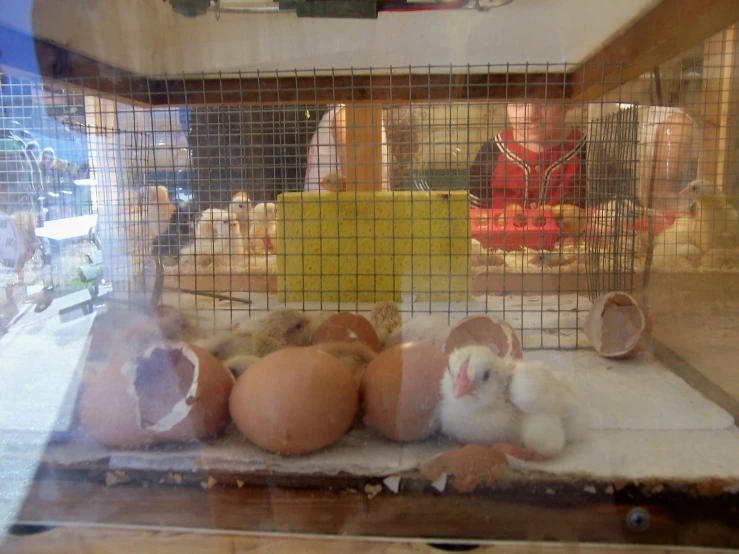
[[348, 187]]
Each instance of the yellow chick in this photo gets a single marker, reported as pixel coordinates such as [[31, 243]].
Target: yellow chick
[[716, 223], [571, 220], [334, 182], [263, 228], [241, 208], [156, 210]]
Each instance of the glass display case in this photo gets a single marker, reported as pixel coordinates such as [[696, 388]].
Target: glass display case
[[459, 304]]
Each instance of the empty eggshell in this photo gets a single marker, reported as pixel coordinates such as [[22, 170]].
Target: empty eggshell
[[616, 325], [498, 334], [173, 392], [400, 390], [347, 327], [295, 401]]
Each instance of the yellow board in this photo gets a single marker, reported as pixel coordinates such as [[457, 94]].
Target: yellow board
[[372, 246]]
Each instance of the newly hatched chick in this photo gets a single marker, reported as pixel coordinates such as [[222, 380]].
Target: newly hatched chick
[[241, 208], [571, 220], [179, 233], [716, 222], [474, 406], [552, 259], [260, 336], [334, 182], [427, 328], [217, 239], [156, 210], [356, 356], [673, 247], [385, 318], [554, 412], [25, 225], [487, 399], [263, 228]]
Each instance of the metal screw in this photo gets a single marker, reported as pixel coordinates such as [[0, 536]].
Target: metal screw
[[638, 519]]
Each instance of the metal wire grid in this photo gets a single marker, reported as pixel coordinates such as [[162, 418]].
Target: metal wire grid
[[237, 145]]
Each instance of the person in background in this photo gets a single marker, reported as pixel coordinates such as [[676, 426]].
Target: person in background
[[326, 153], [538, 159]]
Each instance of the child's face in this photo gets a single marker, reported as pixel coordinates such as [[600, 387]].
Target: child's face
[[538, 122]]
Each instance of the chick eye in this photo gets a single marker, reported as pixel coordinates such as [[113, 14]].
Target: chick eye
[[241, 205], [296, 327], [485, 376]]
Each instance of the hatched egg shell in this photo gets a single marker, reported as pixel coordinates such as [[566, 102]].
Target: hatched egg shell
[[616, 325], [400, 390], [295, 401], [496, 333], [173, 392], [347, 327]]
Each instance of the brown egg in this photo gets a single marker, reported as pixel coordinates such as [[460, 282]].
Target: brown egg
[[173, 392], [616, 325], [347, 327], [400, 390], [484, 329], [295, 401]]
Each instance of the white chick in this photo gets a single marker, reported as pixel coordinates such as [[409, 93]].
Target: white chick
[[156, 210], [263, 228], [716, 222], [673, 248], [241, 208], [474, 406], [427, 328], [385, 318], [262, 335], [217, 238], [487, 399], [355, 356], [554, 412]]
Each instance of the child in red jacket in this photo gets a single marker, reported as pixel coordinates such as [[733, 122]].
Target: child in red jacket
[[537, 160]]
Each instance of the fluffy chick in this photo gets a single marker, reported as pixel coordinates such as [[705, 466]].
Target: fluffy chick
[[25, 225], [241, 208], [487, 400], [550, 402], [334, 182], [571, 220], [356, 356], [427, 328], [217, 238], [260, 336], [156, 210], [263, 228], [385, 318], [673, 247], [474, 406], [716, 222]]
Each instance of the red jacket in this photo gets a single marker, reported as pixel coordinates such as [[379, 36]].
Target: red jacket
[[504, 172]]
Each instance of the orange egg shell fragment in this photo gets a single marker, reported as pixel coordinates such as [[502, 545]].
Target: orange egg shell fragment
[[295, 401], [617, 325], [347, 327], [400, 390], [498, 334], [173, 392]]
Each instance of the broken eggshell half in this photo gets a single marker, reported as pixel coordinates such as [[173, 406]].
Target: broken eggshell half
[[174, 392], [495, 333], [616, 325]]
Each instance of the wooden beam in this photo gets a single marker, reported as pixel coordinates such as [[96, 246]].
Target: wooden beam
[[363, 145], [720, 107], [670, 28]]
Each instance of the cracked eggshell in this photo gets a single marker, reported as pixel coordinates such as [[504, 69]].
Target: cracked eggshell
[[400, 390], [295, 401], [173, 392], [498, 334], [347, 327], [616, 325]]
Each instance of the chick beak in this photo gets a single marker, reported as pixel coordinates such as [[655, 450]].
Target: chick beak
[[462, 385], [686, 193]]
